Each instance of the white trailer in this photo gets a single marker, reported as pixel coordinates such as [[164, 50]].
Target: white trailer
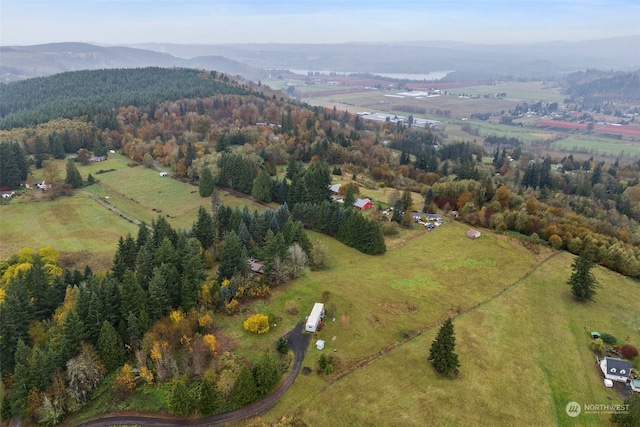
[[314, 318]]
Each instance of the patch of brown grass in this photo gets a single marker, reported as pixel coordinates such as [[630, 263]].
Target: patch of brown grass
[[79, 260]]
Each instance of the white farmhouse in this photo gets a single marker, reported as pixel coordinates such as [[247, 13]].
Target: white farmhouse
[[615, 369]]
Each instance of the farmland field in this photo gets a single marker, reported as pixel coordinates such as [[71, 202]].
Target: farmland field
[[450, 109], [70, 224]]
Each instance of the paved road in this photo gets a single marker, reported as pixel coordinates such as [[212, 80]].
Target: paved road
[[298, 342]]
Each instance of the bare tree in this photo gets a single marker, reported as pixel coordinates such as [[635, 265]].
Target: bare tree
[[299, 260]]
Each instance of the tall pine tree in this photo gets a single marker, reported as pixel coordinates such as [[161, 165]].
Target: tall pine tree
[[442, 355], [73, 176], [582, 281], [206, 183]]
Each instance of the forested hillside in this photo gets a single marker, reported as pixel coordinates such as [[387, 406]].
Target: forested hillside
[[39, 100], [597, 88]]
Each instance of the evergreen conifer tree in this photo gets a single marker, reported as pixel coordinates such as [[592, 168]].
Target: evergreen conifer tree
[[73, 176], [582, 281], [442, 355], [110, 347], [206, 183], [180, 400], [244, 389], [208, 398], [266, 374]]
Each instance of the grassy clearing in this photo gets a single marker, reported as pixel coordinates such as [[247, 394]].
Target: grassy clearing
[[374, 299], [529, 92], [595, 145], [524, 357], [69, 224], [79, 224]]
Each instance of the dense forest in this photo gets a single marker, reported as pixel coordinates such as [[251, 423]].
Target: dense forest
[[41, 99], [63, 331]]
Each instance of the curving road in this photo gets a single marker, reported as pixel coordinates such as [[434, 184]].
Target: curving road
[[298, 342]]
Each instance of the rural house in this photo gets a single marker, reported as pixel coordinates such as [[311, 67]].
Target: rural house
[[363, 204], [335, 188], [255, 266], [473, 234], [615, 369], [38, 184]]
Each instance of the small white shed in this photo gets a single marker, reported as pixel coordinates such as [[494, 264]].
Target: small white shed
[[320, 344], [314, 318], [163, 173]]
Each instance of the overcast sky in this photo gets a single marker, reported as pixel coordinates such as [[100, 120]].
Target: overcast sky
[[24, 22]]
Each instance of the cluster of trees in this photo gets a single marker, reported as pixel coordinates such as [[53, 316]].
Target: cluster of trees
[[273, 237], [79, 93], [149, 319], [593, 88], [14, 166], [343, 222], [604, 236]]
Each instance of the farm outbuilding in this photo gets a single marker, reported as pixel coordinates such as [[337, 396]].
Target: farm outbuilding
[[314, 318], [363, 204], [473, 234]]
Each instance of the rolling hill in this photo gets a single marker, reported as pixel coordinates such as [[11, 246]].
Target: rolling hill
[[22, 62]]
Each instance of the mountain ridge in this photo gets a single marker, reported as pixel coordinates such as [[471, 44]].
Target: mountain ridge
[[536, 60]]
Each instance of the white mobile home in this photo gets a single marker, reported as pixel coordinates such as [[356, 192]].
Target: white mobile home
[[314, 318]]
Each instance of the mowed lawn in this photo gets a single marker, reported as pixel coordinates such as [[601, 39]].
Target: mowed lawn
[[524, 354]]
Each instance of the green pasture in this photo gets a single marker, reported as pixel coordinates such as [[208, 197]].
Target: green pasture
[[600, 146], [73, 224], [524, 353], [79, 223], [375, 299]]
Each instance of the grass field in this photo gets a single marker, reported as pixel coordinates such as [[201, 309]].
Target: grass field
[[601, 146], [74, 224], [80, 225], [524, 354]]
